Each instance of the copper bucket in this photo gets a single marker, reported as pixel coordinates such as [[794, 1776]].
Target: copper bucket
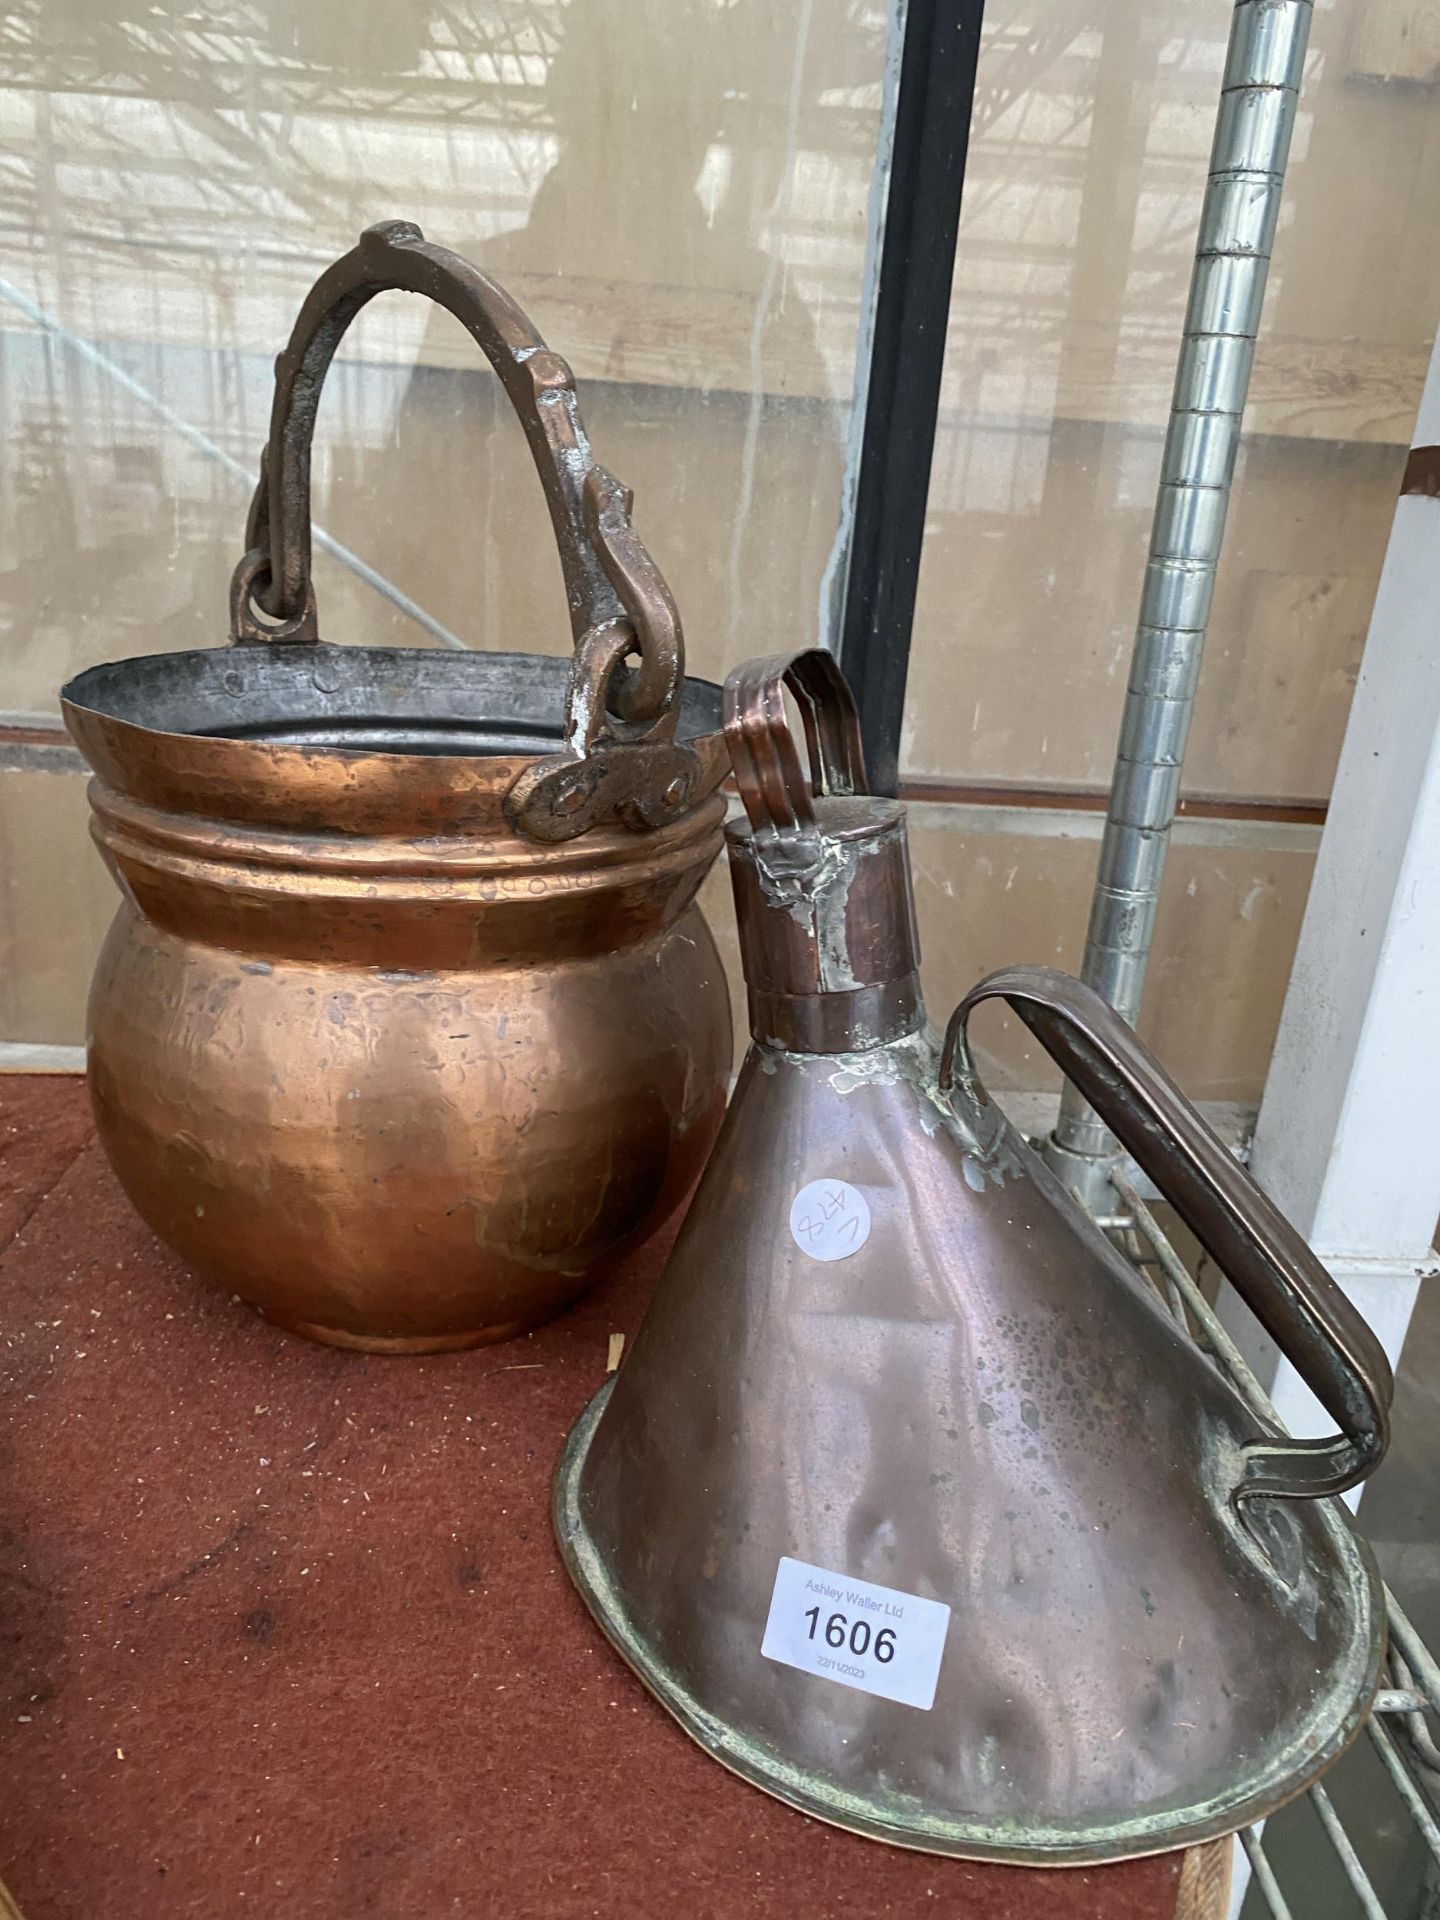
[[408, 1018]]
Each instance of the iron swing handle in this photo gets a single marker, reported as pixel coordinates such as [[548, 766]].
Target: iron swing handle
[[621, 758], [1239, 1226], [613, 588]]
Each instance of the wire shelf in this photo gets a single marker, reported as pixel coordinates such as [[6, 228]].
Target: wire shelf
[[1398, 1729]]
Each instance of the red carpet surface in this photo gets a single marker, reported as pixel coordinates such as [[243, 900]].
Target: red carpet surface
[[283, 1630]]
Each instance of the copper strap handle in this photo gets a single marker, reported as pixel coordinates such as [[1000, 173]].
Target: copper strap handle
[[772, 786], [612, 586], [1292, 1295]]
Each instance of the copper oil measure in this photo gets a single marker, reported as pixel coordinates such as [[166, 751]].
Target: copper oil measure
[[911, 1502]]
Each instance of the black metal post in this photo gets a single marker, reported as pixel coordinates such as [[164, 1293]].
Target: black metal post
[[912, 303]]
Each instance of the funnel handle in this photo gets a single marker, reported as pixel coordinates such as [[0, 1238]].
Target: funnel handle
[[762, 747], [1239, 1226]]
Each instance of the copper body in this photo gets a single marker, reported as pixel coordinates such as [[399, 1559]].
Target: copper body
[[404, 1092], [408, 1020], [1156, 1632]]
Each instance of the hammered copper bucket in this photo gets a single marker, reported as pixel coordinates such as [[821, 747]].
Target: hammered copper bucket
[[408, 1018]]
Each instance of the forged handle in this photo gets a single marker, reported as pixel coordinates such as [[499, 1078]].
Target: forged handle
[[613, 589], [1277, 1275]]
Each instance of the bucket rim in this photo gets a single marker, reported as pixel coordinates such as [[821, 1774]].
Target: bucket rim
[[93, 693]]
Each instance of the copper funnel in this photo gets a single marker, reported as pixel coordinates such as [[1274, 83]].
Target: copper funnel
[[911, 1502]]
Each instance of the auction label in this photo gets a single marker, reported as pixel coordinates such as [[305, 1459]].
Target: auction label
[[829, 1219], [872, 1638]]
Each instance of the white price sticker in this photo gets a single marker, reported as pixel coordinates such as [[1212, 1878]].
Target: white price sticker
[[872, 1638], [829, 1219]]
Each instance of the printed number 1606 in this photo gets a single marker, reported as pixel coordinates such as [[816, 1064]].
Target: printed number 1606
[[840, 1632]]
